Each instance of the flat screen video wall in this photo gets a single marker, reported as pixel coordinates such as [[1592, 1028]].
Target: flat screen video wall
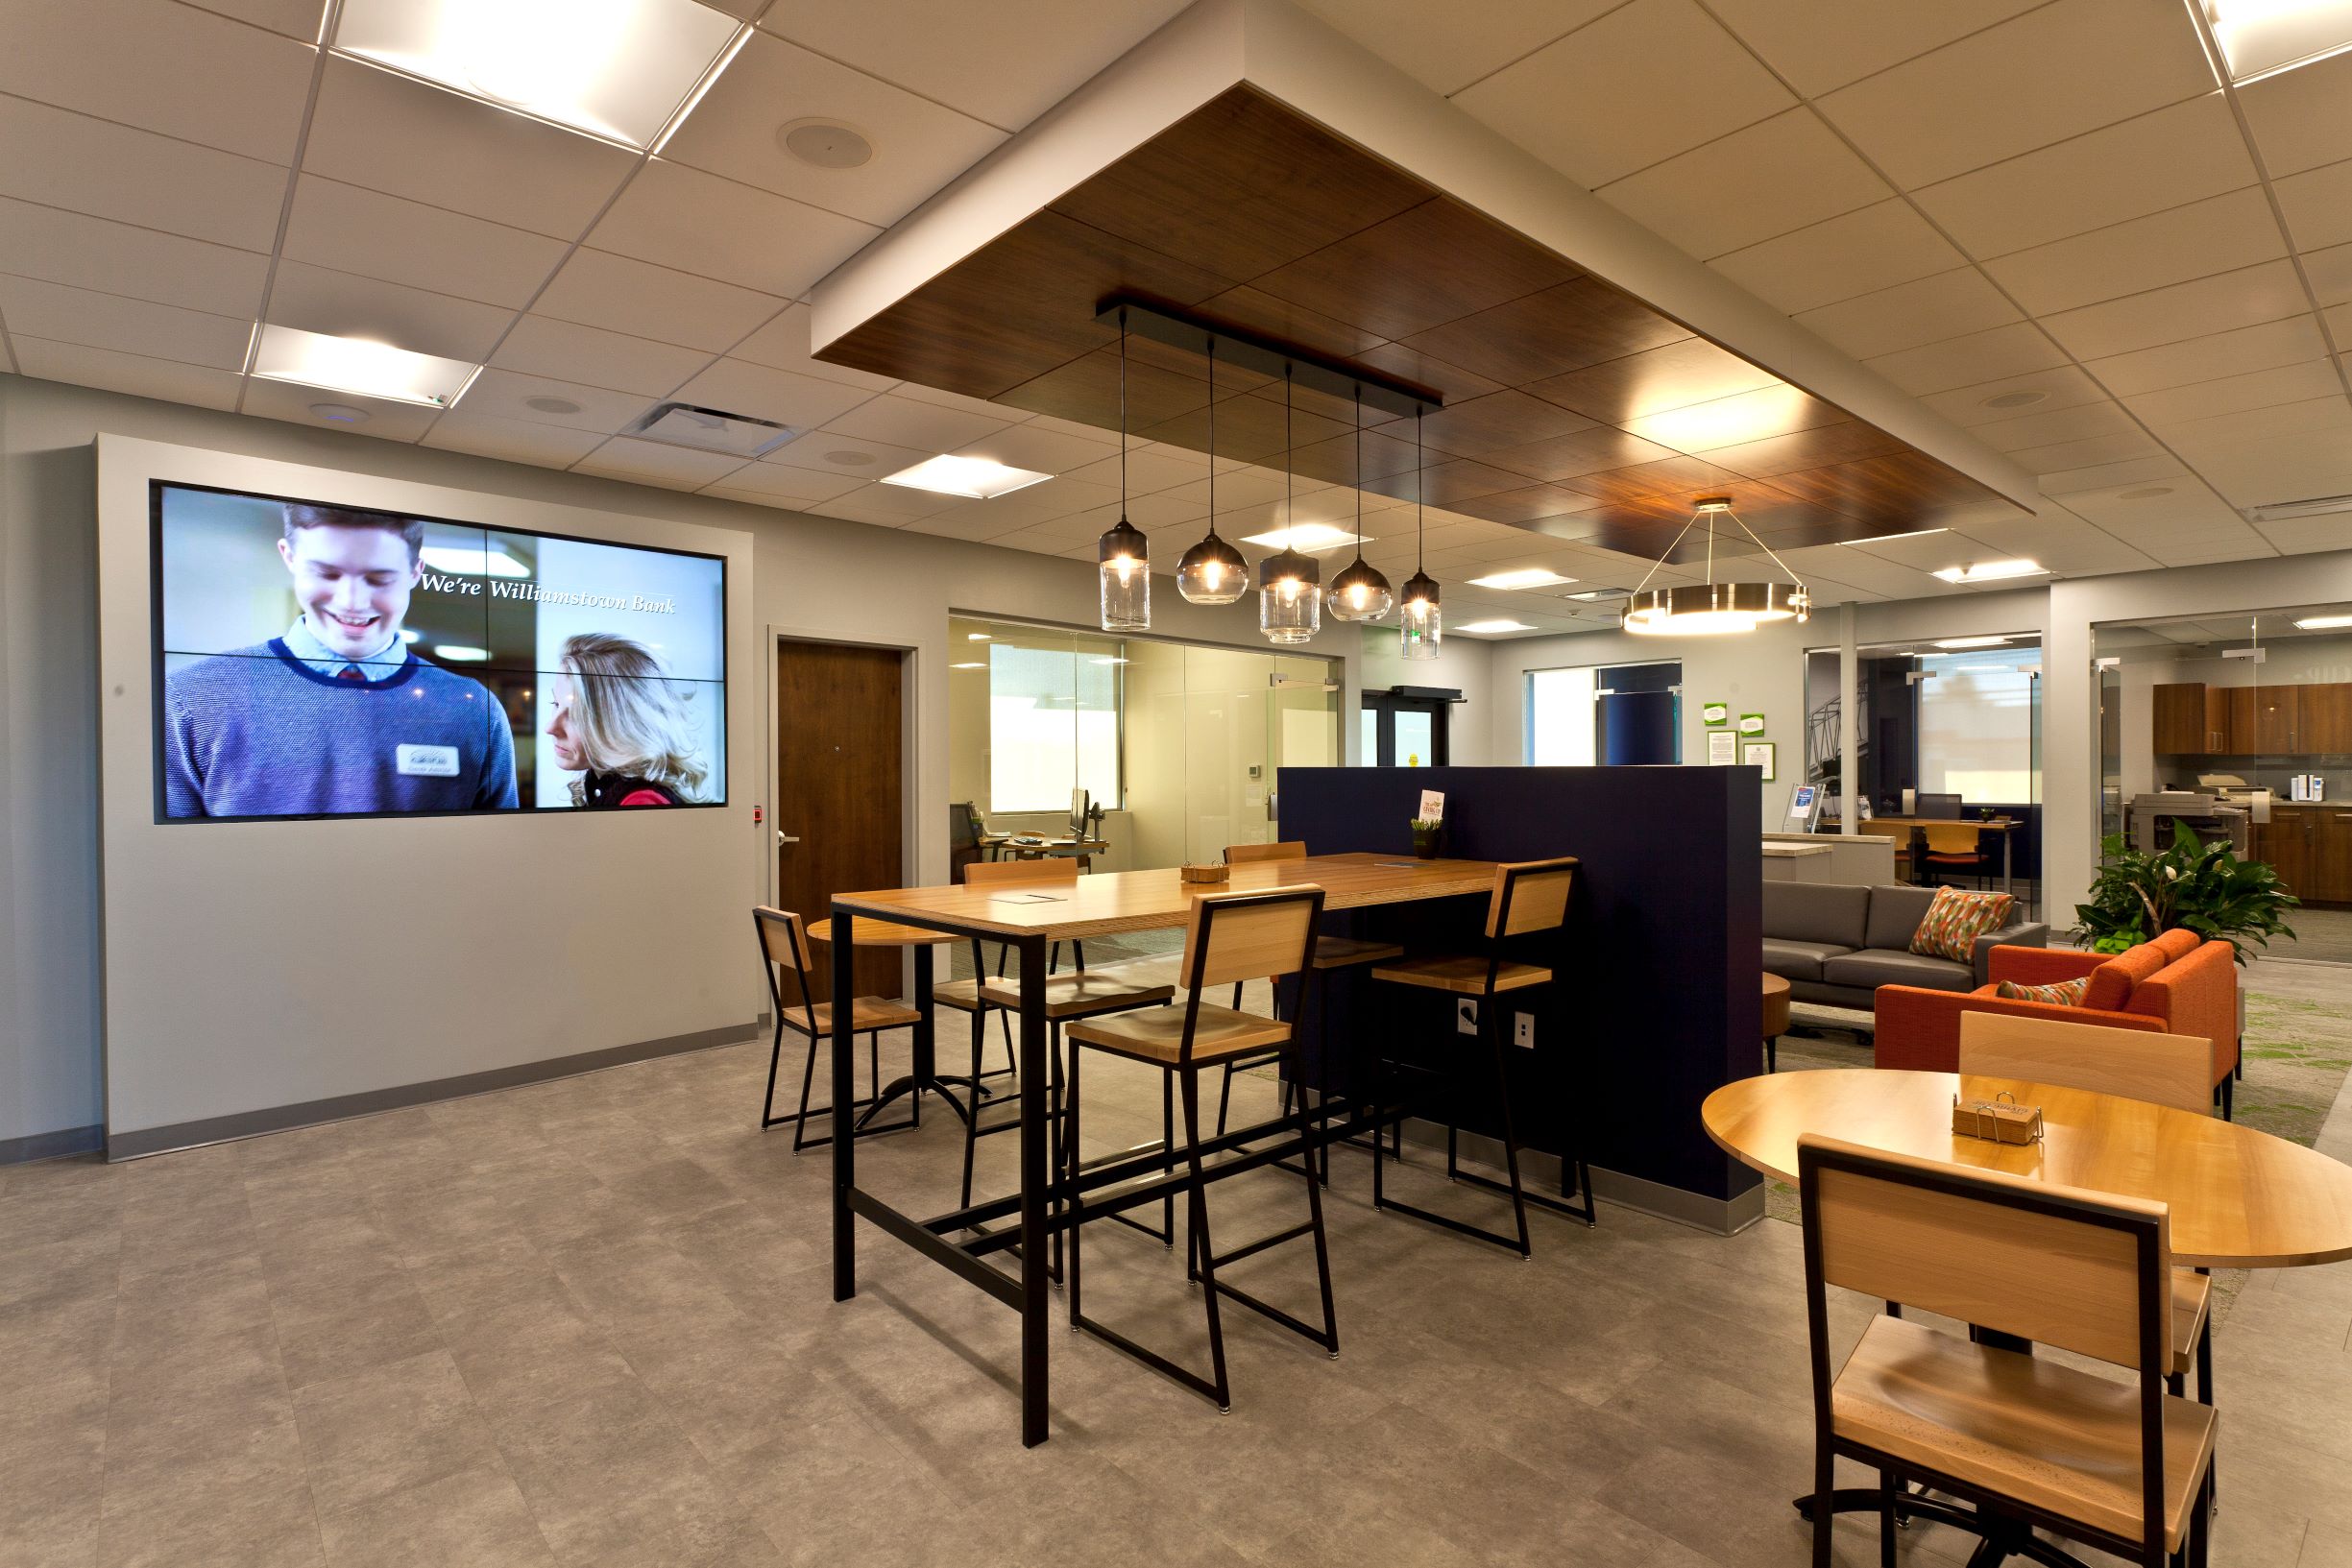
[[314, 659]]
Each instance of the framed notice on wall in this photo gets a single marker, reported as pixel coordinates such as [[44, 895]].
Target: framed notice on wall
[[1716, 713], [1758, 755], [1721, 748]]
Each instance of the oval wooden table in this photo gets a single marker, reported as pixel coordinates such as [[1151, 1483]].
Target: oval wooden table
[[2240, 1199]]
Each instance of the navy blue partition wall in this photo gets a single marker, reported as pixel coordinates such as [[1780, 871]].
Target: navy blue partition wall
[[1659, 1001]]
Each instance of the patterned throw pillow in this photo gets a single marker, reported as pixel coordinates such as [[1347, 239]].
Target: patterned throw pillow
[[1956, 920], [2064, 994]]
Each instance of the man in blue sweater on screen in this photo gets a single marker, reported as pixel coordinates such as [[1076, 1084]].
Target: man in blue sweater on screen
[[338, 717]]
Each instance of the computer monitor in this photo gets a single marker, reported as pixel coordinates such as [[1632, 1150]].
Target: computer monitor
[[1079, 806], [1939, 808]]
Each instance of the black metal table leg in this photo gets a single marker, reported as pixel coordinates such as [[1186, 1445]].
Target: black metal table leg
[[1035, 1180], [923, 1073], [844, 1138]]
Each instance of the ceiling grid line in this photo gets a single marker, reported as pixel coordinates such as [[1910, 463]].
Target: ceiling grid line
[[286, 209]]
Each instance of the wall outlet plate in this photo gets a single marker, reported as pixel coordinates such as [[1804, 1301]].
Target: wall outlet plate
[[1523, 1030], [1466, 1016]]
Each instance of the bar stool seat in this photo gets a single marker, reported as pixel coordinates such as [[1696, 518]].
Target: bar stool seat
[[1462, 973], [867, 1013], [2192, 1305], [1158, 1035], [1088, 991], [1347, 952], [961, 995]]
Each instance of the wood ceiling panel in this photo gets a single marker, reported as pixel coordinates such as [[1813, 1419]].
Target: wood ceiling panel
[[1570, 408]]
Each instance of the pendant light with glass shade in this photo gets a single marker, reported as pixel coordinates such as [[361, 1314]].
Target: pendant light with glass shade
[[1422, 626], [1123, 556], [1712, 607], [1212, 571], [1360, 592], [1290, 585]]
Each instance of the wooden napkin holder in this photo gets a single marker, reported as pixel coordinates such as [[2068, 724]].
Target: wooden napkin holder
[[2001, 1120], [1207, 874]]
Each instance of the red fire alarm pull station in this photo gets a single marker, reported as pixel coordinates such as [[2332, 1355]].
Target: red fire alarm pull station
[[759, 815]]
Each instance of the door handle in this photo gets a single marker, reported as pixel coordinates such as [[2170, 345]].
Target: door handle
[[783, 837]]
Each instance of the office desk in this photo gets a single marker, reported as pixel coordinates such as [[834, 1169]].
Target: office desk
[[1030, 919], [1918, 828]]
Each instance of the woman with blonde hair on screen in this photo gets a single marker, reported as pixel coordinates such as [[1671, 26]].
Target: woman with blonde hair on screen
[[623, 727]]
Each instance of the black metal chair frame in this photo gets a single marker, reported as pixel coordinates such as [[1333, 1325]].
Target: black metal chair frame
[[806, 1023], [1201, 1258], [2003, 1524], [1575, 1175]]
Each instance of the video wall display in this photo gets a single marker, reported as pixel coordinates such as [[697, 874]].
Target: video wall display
[[315, 660]]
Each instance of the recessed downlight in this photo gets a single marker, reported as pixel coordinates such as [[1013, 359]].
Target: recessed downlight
[[339, 413], [2015, 399], [552, 405], [825, 144]]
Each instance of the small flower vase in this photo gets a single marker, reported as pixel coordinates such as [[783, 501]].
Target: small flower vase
[[1425, 843]]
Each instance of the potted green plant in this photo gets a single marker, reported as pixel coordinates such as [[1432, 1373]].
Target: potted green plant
[[2192, 887], [1425, 833]]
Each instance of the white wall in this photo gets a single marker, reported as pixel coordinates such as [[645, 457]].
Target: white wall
[[814, 577]]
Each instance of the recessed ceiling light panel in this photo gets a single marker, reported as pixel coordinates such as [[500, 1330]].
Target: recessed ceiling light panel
[[1522, 577], [1310, 538], [974, 476], [1487, 628], [371, 369], [1951, 644], [623, 71], [1991, 572], [2263, 38], [2324, 623], [2316, 506]]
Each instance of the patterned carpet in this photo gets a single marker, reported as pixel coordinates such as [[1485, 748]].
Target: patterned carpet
[[2297, 1051]]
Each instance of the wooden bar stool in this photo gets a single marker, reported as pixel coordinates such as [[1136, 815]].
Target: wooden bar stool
[[1331, 952], [783, 944], [1530, 899], [1230, 936]]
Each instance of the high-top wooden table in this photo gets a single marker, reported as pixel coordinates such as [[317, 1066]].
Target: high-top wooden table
[[1028, 919]]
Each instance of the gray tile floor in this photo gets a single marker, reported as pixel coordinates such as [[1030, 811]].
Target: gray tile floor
[[589, 1322]]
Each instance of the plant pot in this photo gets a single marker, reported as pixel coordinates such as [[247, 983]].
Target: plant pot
[[1426, 846]]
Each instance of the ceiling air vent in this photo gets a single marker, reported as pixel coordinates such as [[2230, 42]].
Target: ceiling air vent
[[707, 429], [2314, 507]]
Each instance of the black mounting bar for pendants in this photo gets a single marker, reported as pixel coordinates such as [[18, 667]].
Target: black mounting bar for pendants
[[1181, 328]]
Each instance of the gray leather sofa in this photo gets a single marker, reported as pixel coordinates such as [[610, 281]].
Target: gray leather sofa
[[1838, 944]]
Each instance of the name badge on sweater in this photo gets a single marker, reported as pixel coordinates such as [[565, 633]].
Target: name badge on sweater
[[427, 762]]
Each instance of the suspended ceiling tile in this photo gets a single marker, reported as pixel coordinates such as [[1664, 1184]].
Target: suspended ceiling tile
[[597, 288], [2305, 536], [2318, 205], [61, 246], [2135, 471], [2046, 427], [132, 326], [1822, 45], [1446, 50], [2298, 116], [2218, 434], [2243, 298], [1752, 185], [777, 481], [1148, 469], [321, 300], [2066, 456], [2314, 379], [114, 371], [2055, 72], [1005, 62], [1643, 83], [295, 18], [919, 145], [1927, 310], [1858, 253], [161, 66], [2217, 234], [736, 386], [357, 231], [783, 345], [2330, 272], [828, 453], [507, 395], [2013, 351], [385, 421], [512, 441], [2287, 341], [654, 463], [1043, 451], [698, 223], [2175, 155], [907, 423], [135, 177], [397, 135], [2182, 502], [544, 346]]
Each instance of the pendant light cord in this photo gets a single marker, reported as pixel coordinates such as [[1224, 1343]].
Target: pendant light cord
[[1123, 413], [1421, 482], [1212, 351], [1290, 516], [1359, 474]]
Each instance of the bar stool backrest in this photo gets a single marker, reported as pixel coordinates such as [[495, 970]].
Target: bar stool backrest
[[2085, 1271], [1049, 868], [1531, 896], [2174, 1069], [1250, 937], [784, 944], [1289, 849]]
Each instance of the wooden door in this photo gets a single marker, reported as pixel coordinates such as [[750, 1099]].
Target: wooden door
[[2326, 720], [2180, 725], [2262, 720], [2284, 841], [838, 809], [2331, 861]]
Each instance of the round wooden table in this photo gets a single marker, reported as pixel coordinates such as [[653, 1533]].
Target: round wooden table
[[2240, 1198], [1775, 1020]]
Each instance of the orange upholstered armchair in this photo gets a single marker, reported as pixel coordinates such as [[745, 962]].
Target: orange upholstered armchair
[[2177, 984]]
